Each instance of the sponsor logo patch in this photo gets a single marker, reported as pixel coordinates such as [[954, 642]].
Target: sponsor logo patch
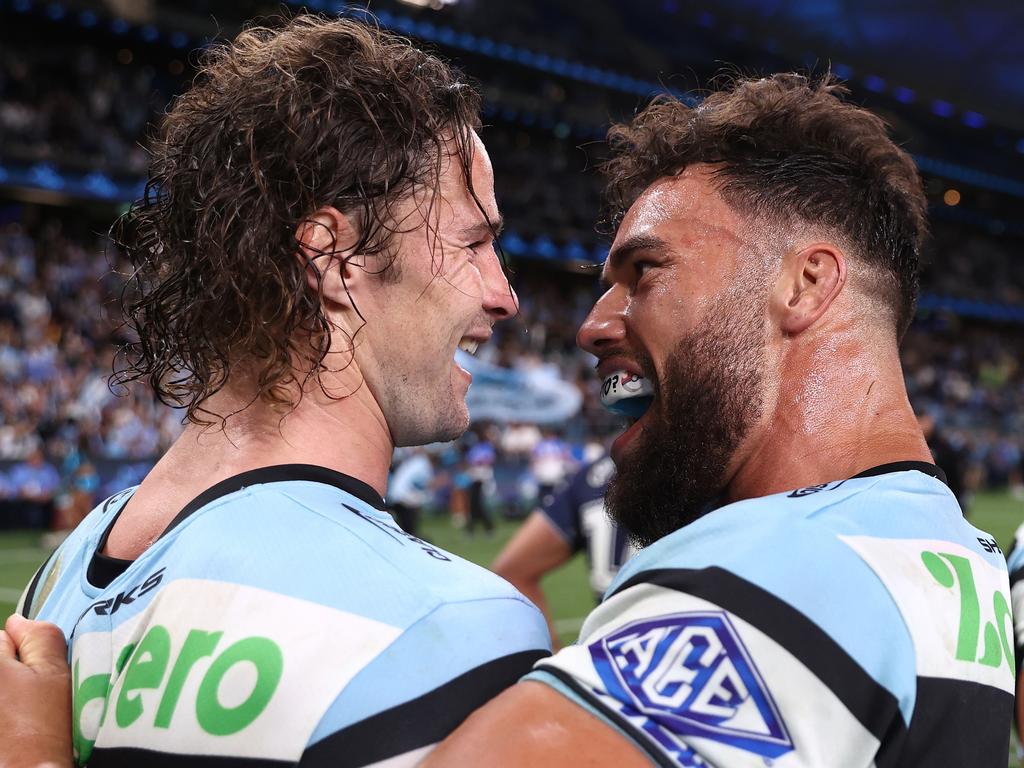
[[689, 674]]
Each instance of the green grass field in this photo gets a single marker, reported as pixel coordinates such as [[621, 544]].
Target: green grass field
[[567, 589]]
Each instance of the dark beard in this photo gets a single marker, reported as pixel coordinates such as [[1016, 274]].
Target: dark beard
[[710, 396]]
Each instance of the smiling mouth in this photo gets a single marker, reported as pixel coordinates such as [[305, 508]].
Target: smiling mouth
[[468, 345]]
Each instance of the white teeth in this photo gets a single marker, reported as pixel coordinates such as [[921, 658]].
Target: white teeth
[[469, 346]]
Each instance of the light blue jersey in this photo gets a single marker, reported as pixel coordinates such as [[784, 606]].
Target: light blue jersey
[[857, 623], [282, 618]]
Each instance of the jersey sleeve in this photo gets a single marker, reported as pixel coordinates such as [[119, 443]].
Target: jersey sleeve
[[428, 681], [702, 667]]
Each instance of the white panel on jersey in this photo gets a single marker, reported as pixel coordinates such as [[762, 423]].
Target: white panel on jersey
[[664, 645], [223, 669], [954, 603]]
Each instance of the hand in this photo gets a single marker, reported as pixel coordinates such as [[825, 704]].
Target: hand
[[35, 696]]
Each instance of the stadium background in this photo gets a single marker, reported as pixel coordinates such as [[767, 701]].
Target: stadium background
[[80, 83]]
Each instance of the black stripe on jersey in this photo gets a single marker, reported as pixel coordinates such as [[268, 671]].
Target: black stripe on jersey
[[872, 704], [957, 723], [640, 739], [423, 721], [26, 609], [131, 757]]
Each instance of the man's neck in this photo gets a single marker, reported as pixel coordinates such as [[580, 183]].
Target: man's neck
[[348, 435], [831, 420]]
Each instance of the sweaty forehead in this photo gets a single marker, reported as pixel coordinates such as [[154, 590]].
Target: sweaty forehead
[[683, 210], [453, 183]]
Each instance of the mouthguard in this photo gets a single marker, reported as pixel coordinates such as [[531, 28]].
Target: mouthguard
[[627, 393]]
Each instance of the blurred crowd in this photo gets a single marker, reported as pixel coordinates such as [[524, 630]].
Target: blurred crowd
[[66, 438], [83, 102]]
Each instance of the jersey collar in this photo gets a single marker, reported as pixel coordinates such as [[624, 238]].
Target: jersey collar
[[904, 466], [103, 569]]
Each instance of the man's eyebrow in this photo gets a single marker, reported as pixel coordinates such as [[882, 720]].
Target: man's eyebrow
[[622, 251], [484, 229]]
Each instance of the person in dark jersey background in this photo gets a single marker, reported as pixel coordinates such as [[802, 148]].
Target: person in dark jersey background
[[572, 519]]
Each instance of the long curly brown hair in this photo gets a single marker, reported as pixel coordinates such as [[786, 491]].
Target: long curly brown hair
[[789, 148], [277, 124]]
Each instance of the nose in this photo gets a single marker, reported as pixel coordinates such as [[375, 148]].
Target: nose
[[603, 326], [499, 300]]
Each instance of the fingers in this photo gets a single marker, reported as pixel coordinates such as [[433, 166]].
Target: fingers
[[39, 645], [7, 650]]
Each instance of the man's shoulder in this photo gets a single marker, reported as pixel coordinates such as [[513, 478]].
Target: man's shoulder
[[803, 521], [316, 542]]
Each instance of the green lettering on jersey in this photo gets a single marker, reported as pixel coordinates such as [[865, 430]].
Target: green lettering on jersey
[[145, 667], [91, 688], [996, 647], [197, 645], [145, 672], [268, 660]]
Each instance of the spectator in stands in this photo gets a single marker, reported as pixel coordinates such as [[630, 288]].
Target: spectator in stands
[[409, 489], [34, 483]]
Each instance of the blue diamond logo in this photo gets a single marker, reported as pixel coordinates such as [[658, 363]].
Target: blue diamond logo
[[689, 674]]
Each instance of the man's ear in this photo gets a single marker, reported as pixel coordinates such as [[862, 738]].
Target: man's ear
[[811, 279], [326, 240]]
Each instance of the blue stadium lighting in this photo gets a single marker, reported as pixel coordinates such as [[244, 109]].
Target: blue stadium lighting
[[88, 19], [45, 176], [512, 243], [973, 120], [119, 26], [545, 248], [525, 57], [842, 71], [179, 39], [447, 35], [506, 51], [3, 174], [426, 29], [904, 95], [150, 33], [942, 108], [487, 46], [467, 42], [22, 6], [874, 83], [573, 251], [99, 185], [1020, 145], [771, 45], [55, 11], [385, 18], [670, 7], [706, 19]]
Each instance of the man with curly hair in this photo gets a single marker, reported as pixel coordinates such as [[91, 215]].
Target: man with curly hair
[[316, 240], [810, 593]]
